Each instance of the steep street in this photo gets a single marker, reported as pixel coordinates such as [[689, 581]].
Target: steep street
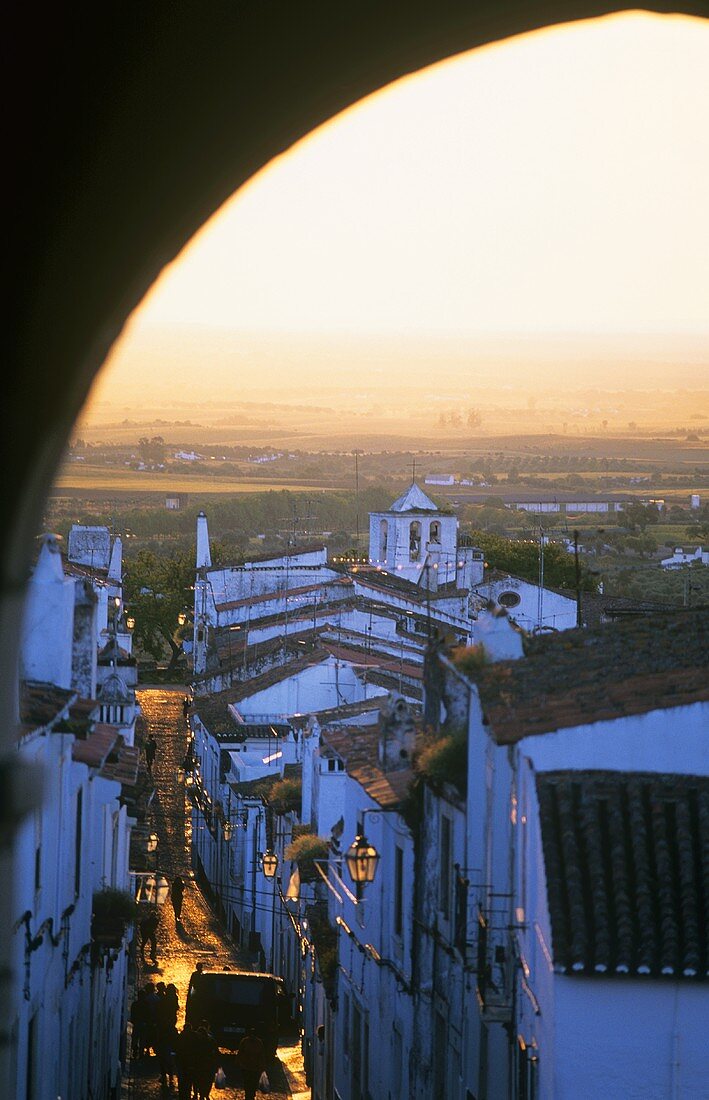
[[200, 937]]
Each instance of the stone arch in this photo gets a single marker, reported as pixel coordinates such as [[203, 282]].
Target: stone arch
[[130, 130], [415, 540]]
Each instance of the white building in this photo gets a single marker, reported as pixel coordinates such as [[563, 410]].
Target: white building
[[583, 863], [532, 606], [69, 976], [682, 557]]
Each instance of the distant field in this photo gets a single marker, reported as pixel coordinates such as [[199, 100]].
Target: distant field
[[78, 478]]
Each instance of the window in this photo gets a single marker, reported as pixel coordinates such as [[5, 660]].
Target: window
[[383, 539], [435, 534], [509, 599]]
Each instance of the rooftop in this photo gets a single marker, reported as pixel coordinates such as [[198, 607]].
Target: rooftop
[[269, 597], [358, 748], [578, 677], [626, 861], [413, 500], [97, 747], [41, 704]]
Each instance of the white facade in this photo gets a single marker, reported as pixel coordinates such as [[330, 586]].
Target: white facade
[[682, 557], [68, 997], [530, 605]]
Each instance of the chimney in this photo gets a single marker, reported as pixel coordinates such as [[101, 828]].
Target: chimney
[[204, 558], [397, 733]]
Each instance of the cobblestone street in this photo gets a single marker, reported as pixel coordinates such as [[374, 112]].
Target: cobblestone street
[[199, 938]]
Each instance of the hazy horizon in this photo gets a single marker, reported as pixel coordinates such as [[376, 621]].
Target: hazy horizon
[[529, 218]]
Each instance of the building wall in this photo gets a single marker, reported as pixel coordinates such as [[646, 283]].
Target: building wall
[[628, 1039], [671, 740], [551, 610]]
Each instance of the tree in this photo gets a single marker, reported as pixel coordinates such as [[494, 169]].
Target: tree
[[157, 591], [152, 450], [521, 559], [638, 515]]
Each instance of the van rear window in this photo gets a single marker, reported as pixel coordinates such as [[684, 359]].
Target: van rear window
[[234, 991]]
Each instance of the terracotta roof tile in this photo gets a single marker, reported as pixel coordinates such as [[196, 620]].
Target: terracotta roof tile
[[95, 750], [627, 864], [579, 677], [41, 704], [357, 747]]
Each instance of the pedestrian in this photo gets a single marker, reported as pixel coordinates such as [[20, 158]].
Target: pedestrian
[[186, 1061], [207, 1060], [172, 1004], [151, 747], [148, 930], [177, 893], [152, 1003], [251, 1060], [139, 1022]]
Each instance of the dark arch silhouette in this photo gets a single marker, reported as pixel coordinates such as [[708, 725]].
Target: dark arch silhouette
[[132, 125]]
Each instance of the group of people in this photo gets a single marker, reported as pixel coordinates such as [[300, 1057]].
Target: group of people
[[189, 1059]]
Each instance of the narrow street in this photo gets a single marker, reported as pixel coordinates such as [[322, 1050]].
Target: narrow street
[[200, 937]]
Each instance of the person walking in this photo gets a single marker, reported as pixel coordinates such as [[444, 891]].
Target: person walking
[[151, 747], [251, 1060], [207, 1059], [186, 1061], [139, 1021], [148, 929], [177, 893], [152, 1003]]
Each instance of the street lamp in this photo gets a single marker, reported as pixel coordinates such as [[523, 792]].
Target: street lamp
[[154, 889], [227, 831], [130, 622], [269, 862], [152, 842], [362, 860], [182, 618]]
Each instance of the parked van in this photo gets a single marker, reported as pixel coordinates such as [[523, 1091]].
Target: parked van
[[232, 1001]]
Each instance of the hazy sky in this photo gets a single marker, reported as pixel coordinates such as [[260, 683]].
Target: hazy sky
[[557, 183]]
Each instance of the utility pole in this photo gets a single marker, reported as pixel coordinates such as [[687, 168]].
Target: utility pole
[[577, 576], [356, 458]]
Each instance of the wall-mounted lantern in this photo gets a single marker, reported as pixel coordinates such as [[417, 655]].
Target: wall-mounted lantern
[[269, 863], [362, 860]]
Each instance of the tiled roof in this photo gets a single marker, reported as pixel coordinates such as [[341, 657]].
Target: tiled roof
[[626, 857], [360, 658], [122, 764], [269, 597], [382, 580], [358, 748], [97, 747], [578, 677], [413, 500], [41, 704], [296, 552]]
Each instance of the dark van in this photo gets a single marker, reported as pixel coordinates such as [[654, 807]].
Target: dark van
[[233, 1001]]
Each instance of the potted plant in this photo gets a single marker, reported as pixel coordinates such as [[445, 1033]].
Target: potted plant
[[112, 911]]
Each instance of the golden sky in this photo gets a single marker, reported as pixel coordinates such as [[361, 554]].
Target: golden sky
[[556, 183]]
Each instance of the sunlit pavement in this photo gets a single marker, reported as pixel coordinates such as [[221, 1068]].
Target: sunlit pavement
[[199, 936]]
